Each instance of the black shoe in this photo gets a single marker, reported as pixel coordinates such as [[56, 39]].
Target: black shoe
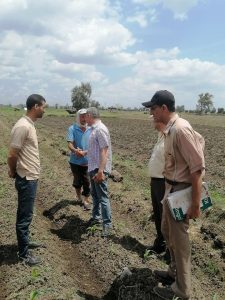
[[93, 221], [167, 257], [157, 248], [163, 277], [30, 260]]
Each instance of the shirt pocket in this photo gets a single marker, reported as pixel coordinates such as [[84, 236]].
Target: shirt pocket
[[169, 163]]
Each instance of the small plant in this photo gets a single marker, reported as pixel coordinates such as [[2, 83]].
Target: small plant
[[36, 276], [215, 297], [112, 249], [34, 273], [92, 229], [211, 269], [33, 295], [147, 255]]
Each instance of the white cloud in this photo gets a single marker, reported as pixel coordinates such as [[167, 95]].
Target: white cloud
[[50, 46], [186, 78], [73, 30], [53, 45], [179, 8], [143, 17], [87, 72]]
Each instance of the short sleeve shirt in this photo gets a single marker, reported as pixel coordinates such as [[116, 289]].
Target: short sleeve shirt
[[99, 139], [157, 160], [183, 151], [24, 138], [79, 139]]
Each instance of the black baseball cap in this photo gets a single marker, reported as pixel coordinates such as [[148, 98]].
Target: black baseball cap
[[160, 98]]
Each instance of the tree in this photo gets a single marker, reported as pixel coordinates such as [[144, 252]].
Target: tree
[[180, 108], [205, 103], [213, 110], [220, 110], [81, 95], [94, 103]]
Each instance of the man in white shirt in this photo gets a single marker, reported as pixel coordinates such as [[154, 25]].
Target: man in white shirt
[[155, 167]]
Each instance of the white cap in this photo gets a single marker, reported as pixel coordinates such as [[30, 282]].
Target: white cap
[[82, 111]]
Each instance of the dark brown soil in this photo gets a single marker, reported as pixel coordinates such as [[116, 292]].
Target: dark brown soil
[[76, 262]]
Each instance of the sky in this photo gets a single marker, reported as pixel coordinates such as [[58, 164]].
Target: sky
[[126, 49]]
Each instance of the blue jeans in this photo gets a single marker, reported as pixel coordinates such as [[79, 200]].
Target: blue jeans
[[101, 203], [26, 194]]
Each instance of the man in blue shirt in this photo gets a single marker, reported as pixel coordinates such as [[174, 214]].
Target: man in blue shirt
[[77, 139]]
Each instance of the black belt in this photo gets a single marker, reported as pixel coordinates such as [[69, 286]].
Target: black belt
[[157, 179], [171, 182]]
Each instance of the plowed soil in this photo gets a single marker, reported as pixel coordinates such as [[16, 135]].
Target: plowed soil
[[76, 262]]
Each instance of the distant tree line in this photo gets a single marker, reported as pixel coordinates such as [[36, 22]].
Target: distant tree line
[[204, 105], [81, 98]]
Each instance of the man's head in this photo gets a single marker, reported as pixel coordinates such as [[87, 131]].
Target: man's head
[[36, 105], [162, 105], [81, 117], [92, 115]]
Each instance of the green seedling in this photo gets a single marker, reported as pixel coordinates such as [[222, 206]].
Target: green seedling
[[215, 297], [147, 255], [92, 229], [33, 295], [35, 274], [211, 268]]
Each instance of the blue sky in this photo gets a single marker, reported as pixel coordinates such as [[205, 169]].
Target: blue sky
[[126, 49]]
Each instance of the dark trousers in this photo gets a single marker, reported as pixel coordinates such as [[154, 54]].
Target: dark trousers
[[26, 194], [157, 194], [81, 178]]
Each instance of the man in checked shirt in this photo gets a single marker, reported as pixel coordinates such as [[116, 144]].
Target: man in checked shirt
[[99, 167]]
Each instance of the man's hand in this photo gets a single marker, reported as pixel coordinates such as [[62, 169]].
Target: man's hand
[[196, 181], [12, 161], [11, 174], [193, 212], [79, 153], [99, 177]]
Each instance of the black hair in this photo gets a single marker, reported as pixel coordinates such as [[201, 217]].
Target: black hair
[[171, 107], [34, 99]]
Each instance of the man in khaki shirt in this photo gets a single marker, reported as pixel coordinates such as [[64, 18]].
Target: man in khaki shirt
[[24, 166], [184, 167]]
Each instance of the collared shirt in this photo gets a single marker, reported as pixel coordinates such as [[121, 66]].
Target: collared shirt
[[79, 138], [183, 151], [24, 138], [99, 139], [157, 160]]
